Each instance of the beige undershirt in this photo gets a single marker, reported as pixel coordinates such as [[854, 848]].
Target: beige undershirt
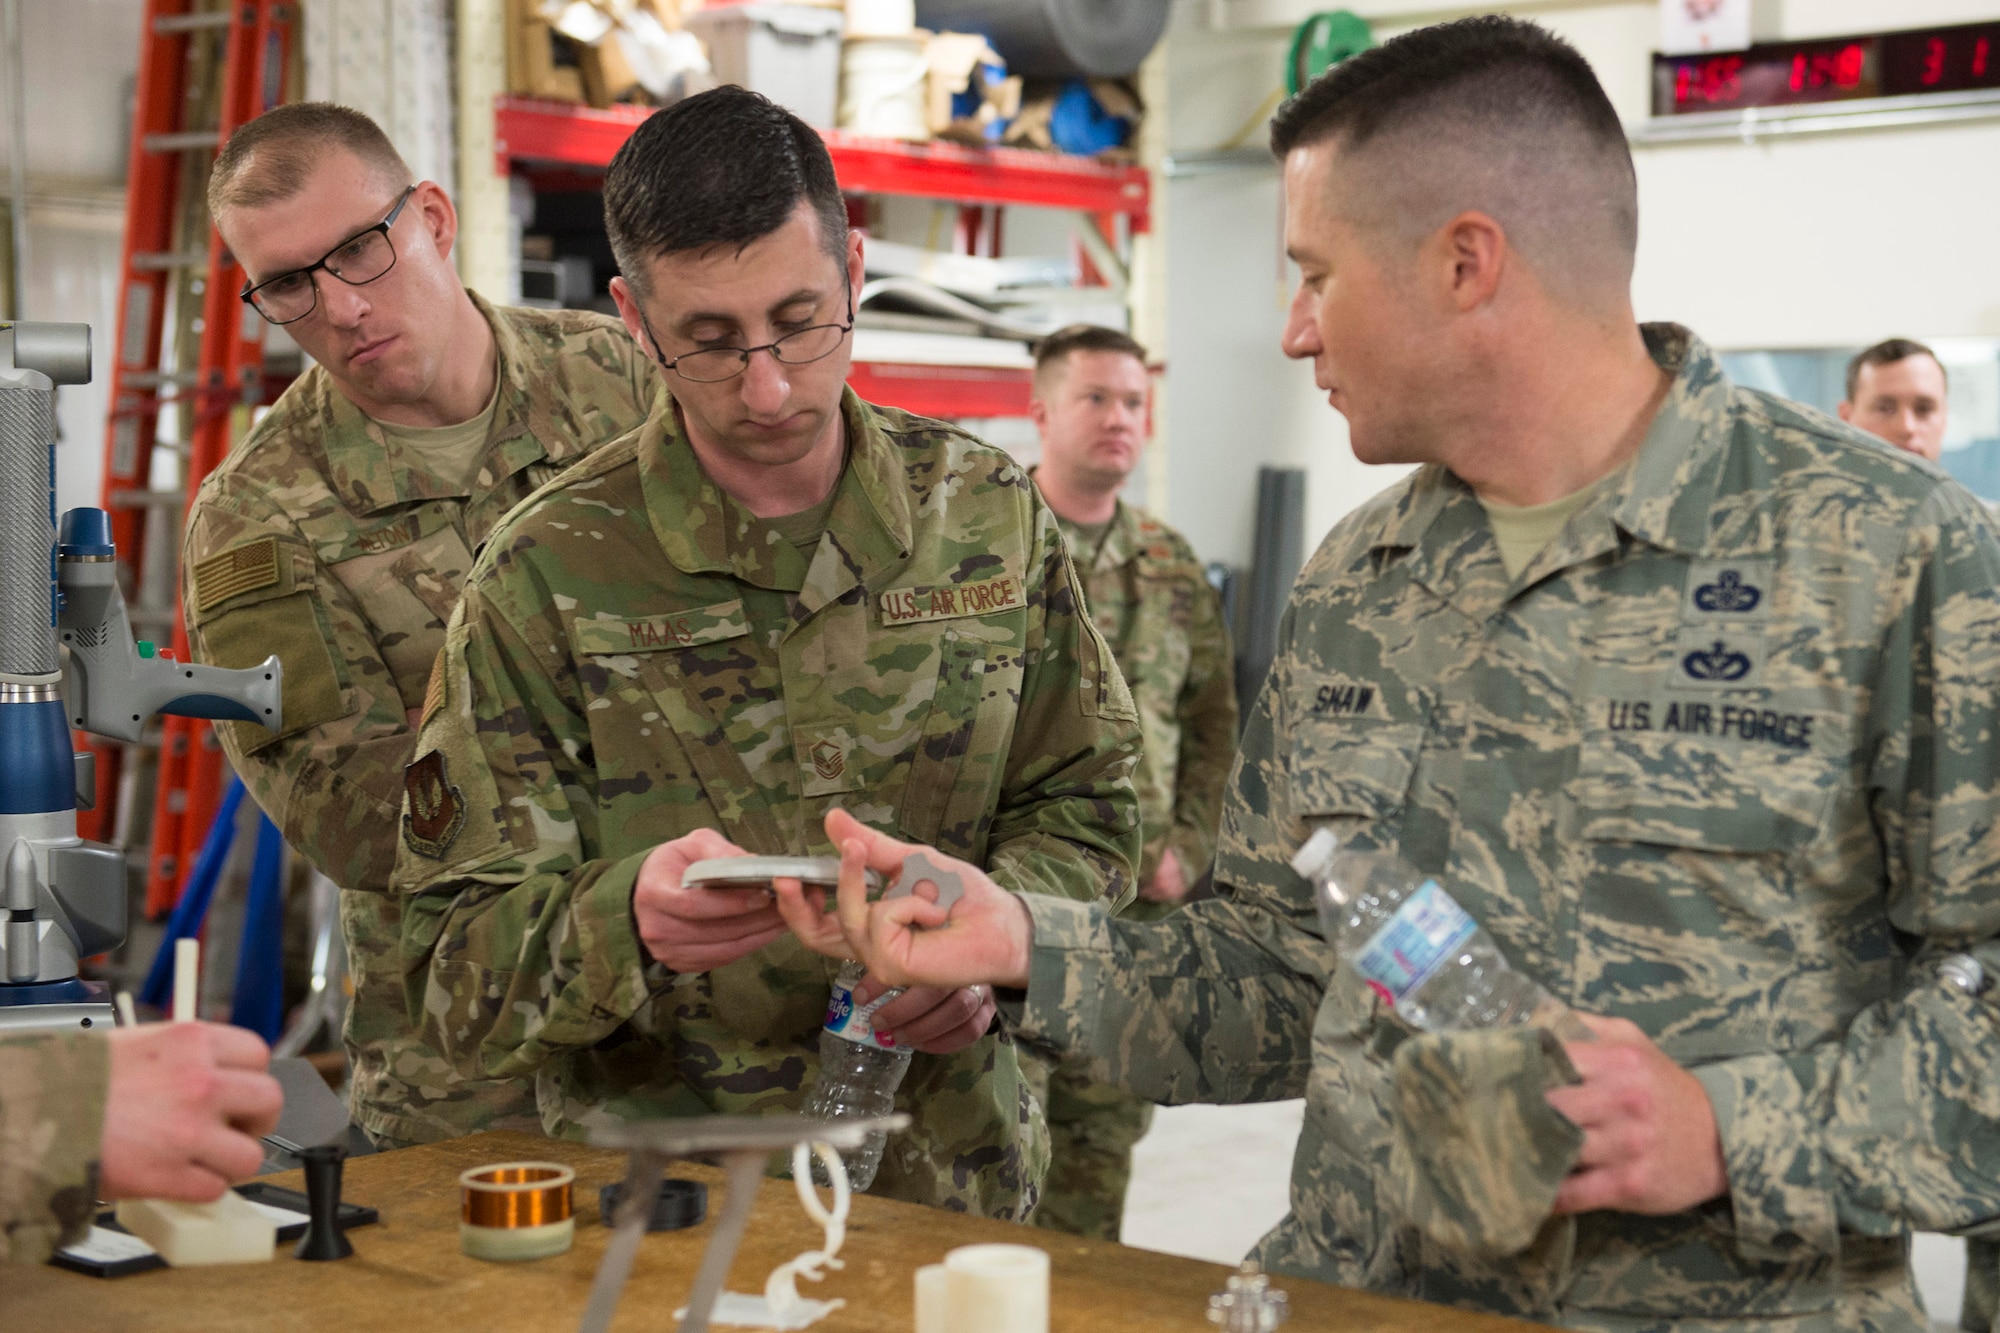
[[1521, 531], [803, 529], [454, 453]]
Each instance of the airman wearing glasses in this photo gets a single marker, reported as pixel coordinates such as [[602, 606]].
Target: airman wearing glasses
[[772, 608], [339, 532]]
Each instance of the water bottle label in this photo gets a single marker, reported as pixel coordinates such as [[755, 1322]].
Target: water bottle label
[[846, 1019], [1426, 932]]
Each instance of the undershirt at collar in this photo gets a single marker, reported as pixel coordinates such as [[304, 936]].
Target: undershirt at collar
[[1521, 531], [455, 453]]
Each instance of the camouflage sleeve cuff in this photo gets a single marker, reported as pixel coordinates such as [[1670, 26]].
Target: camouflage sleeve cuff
[[1066, 961], [1780, 1182], [620, 974], [52, 1093]]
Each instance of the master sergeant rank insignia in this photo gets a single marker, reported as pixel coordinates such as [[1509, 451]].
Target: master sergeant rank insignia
[[433, 809]]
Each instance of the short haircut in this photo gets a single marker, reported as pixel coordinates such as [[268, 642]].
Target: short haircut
[[1491, 114], [1887, 353], [724, 167], [268, 159], [1052, 352]]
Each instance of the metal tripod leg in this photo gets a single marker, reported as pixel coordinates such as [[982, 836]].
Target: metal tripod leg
[[326, 1000]]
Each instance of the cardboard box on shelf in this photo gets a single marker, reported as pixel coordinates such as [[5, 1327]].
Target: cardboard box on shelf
[[964, 70], [602, 51], [532, 67]]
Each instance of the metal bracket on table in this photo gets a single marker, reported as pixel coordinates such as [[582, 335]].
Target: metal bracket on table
[[744, 1143]]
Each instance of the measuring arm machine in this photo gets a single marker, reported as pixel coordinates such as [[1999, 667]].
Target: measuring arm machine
[[64, 898]]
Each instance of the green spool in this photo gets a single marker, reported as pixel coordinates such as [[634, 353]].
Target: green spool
[[1321, 42]]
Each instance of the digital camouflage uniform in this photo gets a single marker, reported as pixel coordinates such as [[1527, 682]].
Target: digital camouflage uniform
[[1720, 761], [52, 1090], [322, 540], [637, 658], [1154, 606]]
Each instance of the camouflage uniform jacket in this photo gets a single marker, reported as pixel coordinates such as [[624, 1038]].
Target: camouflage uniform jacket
[[1720, 761], [52, 1088], [637, 658], [321, 540], [1154, 606]]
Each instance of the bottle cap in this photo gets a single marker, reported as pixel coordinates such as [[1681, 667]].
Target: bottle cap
[[1314, 853], [1963, 971]]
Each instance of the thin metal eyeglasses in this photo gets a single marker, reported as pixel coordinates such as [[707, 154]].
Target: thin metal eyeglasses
[[713, 365], [360, 259]]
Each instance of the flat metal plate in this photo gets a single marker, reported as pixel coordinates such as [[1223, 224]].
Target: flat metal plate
[[757, 872]]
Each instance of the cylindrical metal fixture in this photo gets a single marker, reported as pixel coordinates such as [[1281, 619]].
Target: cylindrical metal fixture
[[28, 537], [1056, 39]]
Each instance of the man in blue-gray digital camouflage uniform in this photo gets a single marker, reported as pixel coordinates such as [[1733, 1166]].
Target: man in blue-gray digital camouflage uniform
[[1688, 694]]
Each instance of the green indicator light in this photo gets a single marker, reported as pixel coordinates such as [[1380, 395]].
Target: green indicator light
[[145, 647]]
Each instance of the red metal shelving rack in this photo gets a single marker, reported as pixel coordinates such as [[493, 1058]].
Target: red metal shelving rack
[[554, 138], [527, 130]]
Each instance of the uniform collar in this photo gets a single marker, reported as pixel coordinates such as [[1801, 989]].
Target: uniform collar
[[868, 531], [1122, 539], [1662, 497], [372, 473]]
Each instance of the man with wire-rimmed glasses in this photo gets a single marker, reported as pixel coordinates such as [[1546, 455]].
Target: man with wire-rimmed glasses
[[338, 533], [772, 607]]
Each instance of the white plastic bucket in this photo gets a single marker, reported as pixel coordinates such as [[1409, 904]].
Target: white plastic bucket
[[882, 87], [881, 18]]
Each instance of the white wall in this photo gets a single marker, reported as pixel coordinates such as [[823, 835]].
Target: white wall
[[1820, 240], [1234, 403], [81, 56]]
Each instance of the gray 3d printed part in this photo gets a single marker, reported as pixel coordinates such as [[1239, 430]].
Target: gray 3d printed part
[[917, 867]]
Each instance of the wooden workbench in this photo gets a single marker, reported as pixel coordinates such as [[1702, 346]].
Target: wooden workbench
[[407, 1273]]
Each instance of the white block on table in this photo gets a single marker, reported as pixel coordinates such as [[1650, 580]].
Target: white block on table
[[232, 1230]]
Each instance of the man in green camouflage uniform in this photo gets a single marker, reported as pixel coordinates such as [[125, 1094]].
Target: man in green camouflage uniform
[[1150, 600], [770, 602], [1715, 765], [167, 1111], [338, 534]]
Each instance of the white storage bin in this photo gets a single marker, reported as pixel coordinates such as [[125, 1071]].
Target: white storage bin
[[789, 53]]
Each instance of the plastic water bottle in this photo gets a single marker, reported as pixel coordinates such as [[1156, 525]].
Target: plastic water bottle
[[1418, 949], [859, 1072]]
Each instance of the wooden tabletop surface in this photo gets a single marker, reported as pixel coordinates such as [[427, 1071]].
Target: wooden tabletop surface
[[407, 1272]]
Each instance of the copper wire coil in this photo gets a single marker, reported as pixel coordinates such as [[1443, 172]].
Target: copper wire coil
[[516, 1194]]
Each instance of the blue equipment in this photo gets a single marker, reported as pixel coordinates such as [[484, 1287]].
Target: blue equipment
[[64, 898]]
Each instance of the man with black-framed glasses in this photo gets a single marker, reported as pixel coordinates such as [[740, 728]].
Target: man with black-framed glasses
[[338, 533], [771, 606]]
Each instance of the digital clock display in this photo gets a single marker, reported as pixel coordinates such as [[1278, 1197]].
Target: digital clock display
[[1890, 64]]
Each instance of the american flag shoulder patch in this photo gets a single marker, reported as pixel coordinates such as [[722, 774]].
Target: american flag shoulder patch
[[238, 570]]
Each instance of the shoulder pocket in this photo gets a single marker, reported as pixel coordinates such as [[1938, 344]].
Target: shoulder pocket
[[250, 601]]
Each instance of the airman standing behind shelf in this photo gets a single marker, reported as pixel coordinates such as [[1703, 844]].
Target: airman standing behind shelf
[[1714, 765], [1151, 601], [165, 1111], [338, 533], [1897, 391], [771, 607]]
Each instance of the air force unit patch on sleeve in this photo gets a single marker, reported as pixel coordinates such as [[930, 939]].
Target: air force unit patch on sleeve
[[433, 809]]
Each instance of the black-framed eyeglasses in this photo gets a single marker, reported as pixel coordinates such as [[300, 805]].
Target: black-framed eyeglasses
[[713, 365], [361, 258]]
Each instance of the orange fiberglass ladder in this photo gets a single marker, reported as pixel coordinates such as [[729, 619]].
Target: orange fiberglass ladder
[[205, 67]]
